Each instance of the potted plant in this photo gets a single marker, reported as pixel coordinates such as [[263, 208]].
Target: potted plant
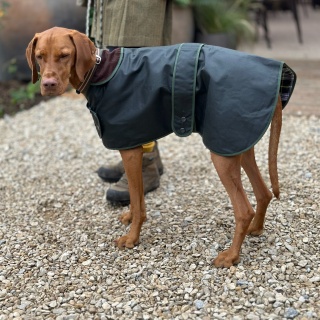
[[223, 23]]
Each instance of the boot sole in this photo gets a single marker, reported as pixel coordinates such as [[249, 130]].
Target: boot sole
[[110, 180], [126, 202]]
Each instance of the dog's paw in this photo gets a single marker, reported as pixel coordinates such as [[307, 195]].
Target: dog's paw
[[226, 259], [126, 218], [126, 241], [255, 230]]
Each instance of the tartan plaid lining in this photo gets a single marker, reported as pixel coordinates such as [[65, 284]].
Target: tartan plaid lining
[[288, 81]]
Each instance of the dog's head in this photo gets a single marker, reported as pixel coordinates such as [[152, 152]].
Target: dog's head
[[63, 56]]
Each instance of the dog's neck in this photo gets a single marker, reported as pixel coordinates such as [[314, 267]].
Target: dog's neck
[[74, 79]]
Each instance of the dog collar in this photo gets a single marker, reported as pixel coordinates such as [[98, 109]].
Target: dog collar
[[84, 84]]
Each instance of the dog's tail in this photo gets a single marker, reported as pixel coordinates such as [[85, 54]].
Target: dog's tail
[[276, 125]]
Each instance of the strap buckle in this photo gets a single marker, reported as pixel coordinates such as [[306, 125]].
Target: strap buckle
[[98, 58]]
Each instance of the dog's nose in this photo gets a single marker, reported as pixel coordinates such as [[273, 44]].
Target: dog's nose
[[49, 82]]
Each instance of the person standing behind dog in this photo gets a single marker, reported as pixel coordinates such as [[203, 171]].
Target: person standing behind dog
[[131, 23]]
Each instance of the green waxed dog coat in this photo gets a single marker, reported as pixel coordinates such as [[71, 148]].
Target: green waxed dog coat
[[226, 96]]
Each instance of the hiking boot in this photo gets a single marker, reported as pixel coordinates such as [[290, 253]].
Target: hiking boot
[[112, 173], [115, 172], [119, 192]]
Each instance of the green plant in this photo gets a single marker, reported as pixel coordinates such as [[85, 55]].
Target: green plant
[[222, 16], [3, 8], [12, 66], [25, 93], [183, 3]]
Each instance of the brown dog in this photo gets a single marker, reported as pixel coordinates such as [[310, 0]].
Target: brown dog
[[66, 56]]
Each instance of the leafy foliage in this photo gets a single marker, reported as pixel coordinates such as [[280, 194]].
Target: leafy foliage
[[183, 3], [25, 93], [3, 8], [222, 16]]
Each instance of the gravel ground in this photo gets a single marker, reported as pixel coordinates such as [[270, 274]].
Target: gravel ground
[[57, 258]]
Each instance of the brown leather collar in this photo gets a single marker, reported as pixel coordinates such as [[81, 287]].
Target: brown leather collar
[[83, 86]]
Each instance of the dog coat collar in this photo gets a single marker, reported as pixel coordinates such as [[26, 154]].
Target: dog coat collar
[[110, 62]]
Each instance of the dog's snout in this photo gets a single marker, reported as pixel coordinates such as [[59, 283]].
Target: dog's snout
[[50, 86], [49, 83]]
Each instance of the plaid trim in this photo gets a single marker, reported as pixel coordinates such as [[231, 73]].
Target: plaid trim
[[288, 81]]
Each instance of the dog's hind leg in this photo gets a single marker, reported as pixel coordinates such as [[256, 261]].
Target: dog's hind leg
[[262, 193], [229, 171], [132, 161]]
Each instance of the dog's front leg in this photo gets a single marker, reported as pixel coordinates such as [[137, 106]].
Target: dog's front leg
[[132, 161]]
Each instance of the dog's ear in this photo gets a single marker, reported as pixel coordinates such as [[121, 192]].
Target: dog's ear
[[30, 54], [85, 53]]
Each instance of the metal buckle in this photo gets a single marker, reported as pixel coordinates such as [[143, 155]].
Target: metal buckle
[[98, 59]]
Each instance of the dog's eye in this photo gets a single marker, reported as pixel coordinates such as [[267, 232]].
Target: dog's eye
[[39, 57], [64, 55]]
